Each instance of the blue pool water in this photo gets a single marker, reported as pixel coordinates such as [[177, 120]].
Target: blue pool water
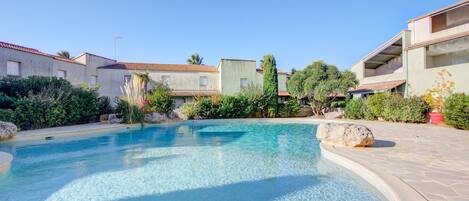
[[204, 161]]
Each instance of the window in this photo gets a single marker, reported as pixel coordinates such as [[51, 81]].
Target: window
[[452, 18], [13, 68], [165, 80], [127, 78], [93, 80], [203, 81], [243, 82], [62, 74]]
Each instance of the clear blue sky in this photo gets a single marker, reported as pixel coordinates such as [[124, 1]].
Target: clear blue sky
[[168, 31]]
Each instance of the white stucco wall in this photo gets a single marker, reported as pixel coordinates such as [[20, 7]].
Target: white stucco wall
[[75, 73]]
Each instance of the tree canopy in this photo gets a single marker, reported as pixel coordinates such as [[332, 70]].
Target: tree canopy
[[270, 85], [195, 59], [321, 83]]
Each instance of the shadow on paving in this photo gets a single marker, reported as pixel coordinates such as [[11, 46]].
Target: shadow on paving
[[260, 190]]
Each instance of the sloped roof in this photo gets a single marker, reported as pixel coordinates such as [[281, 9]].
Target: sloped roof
[[35, 51], [379, 86], [160, 67]]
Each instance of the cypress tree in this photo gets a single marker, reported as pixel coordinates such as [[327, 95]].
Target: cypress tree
[[270, 86]]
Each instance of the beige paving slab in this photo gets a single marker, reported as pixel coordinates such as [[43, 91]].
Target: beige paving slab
[[432, 160]]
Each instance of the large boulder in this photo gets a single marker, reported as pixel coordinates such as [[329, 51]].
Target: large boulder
[[113, 119], [7, 130], [334, 115], [344, 135]]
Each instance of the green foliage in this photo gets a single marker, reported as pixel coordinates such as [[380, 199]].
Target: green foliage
[[42, 102], [64, 54], [130, 114], [338, 104], [6, 102], [235, 107], [456, 111], [255, 96], [269, 65], [104, 105], [356, 109], [320, 83], [6, 115], [206, 109], [39, 112], [195, 59], [377, 102], [290, 108], [190, 110], [388, 107], [160, 99]]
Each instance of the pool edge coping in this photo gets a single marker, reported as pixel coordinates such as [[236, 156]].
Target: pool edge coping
[[391, 187]]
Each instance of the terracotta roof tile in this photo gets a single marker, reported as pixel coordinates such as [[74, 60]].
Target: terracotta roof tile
[[35, 51], [160, 67]]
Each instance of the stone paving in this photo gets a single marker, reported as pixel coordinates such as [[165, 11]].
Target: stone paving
[[432, 160]]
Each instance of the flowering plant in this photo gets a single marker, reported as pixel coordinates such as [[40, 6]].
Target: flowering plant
[[435, 97]]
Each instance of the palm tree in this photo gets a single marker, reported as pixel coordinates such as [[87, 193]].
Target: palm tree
[[195, 59], [64, 54]]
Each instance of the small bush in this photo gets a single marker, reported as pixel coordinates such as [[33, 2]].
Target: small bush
[[456, 111], [400, 109], [104, 105], [39, 112], [376, 103], [355, 109], [160, 99], [6, 102], [34, 85], [205, 109], [129, 113], [6, 115], [234, 107], [190, 110], [290, 108]]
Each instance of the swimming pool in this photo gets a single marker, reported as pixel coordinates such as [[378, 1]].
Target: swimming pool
[[206, 160]]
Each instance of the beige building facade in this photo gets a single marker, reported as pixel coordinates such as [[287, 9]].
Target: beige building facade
[[185, 81], [409, 62]]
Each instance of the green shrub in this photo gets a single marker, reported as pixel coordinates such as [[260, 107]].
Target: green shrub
[[399, 109], [354, 109], [160, 99], [456, 111], [104, 105], [376, 103], [39, 112], [129, 113], [205, 109], [290, 108], [190, 110], [6, 115], [234, 107], [34, 85], [81, 106], [413, 110], [6, 102]]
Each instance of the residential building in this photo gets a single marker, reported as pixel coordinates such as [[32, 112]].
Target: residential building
[[409, 62], [186, 81]]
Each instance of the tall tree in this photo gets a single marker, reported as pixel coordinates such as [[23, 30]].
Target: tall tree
[[195, 59], [321, 83], [269, 66], [64, 54]]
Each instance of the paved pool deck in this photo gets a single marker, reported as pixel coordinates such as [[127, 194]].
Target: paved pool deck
[[432, 160]]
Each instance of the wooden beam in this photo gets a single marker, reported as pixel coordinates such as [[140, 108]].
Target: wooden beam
[[387, 54], [396, 45], [375, 62]]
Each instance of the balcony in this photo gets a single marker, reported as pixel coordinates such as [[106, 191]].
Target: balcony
[[387, 60]]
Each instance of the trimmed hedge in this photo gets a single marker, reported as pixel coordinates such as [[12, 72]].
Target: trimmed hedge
[[456, 111], [356, 109]]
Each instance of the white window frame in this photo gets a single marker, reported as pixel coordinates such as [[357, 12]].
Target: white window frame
[[16, 65], [203, 81], [243, 83], [64, 74], [93, 78], [166, 80]]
